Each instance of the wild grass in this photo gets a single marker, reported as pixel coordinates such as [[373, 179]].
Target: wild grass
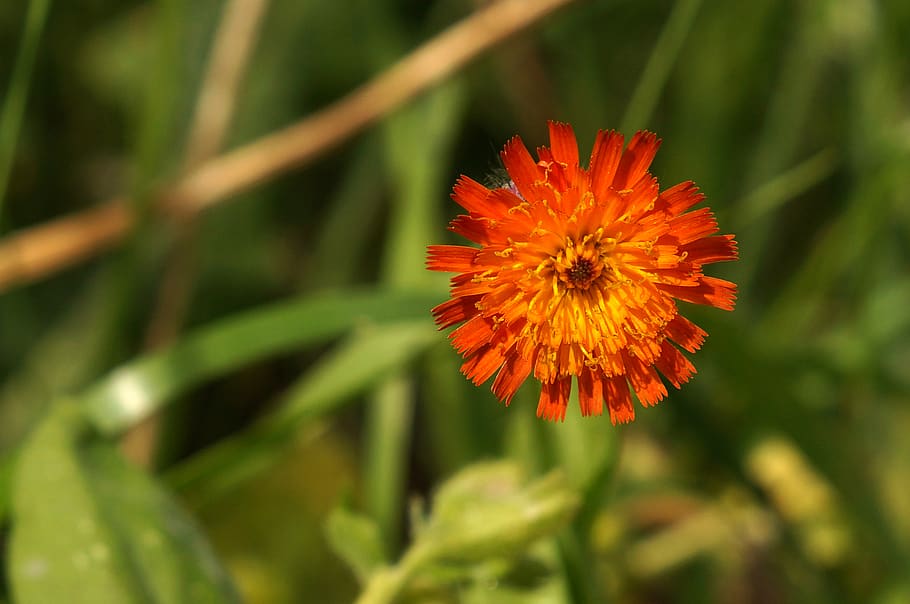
[[211, 265]]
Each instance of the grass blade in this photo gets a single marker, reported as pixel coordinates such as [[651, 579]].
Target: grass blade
[[17, 93], [134, 391]]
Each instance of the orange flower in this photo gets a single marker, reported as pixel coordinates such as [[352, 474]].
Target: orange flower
[[578, 273]]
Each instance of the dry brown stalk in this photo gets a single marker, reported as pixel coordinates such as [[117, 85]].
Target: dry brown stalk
[[44, 249], [233, 45], [234, 41], [232, 48], [39, 251]]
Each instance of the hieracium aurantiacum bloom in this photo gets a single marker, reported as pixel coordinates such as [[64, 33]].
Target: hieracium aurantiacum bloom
[[578, 274]]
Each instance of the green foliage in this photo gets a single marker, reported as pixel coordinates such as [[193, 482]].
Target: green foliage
[[15, 99], [355, 538], [90, 528], [299, 366], [358, 364], [483, 523], [132, 392]]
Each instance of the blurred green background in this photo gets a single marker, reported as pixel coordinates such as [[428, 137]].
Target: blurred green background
[[304, 409]]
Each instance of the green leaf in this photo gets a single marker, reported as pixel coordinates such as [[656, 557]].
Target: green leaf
[[490, 509], [7, 462], [487, 512], [532, 578], [355, 538], [87, 527]]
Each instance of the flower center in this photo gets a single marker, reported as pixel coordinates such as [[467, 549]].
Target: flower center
[[578, 265], [580, 273]]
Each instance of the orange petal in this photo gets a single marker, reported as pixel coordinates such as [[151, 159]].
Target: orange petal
[[504, 198], [644, 381], [563, 144], [521, 167], [512, 375], [554, 398], [679, 198], [685, 333], [455, 311], [590, 393], [673, 365], [693, 225], [474, 197], [706, 250], [470, 284], [604, 161], [482, 365], [451, 258], [468, 338], [636, 159], [641, 199], [619, 400], [544, 156], [710, 291], [474, 229]]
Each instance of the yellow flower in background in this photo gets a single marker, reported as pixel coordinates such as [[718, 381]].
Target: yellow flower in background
[[578, 273]]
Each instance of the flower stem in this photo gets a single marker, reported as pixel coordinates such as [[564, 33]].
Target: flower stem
[[387, 584]]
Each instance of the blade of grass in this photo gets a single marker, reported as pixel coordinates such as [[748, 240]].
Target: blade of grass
[[360, 363], [7, 465], [139, 388], [654, 77], [787, 114], [785, 187], [847, 251], [154, 134], [17, 93], [353, 213]]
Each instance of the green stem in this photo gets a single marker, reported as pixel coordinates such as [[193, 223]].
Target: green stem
[[388, 424], [387, 584]]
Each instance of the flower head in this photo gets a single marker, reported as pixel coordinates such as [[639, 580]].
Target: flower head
[[578, 273]]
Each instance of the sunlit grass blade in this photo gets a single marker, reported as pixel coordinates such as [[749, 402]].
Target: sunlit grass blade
[[133, 391]]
